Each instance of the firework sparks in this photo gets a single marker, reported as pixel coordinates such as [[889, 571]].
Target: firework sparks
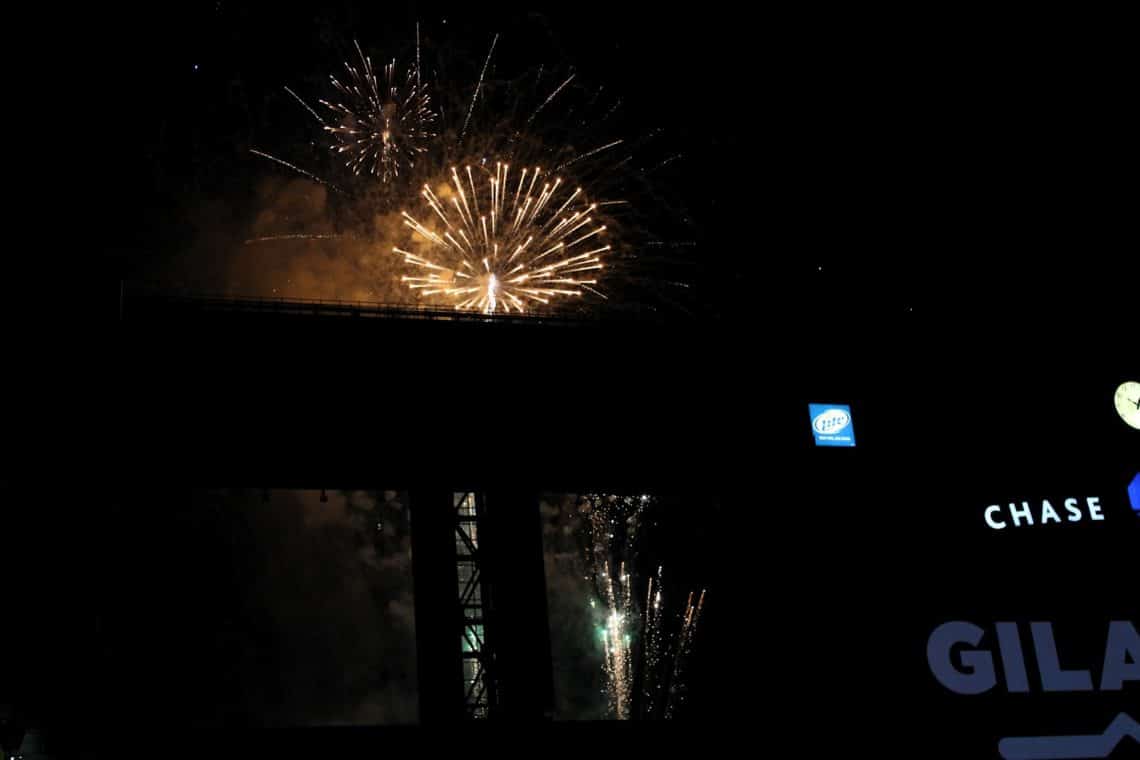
[[305, 105], [380, 129], [549, 98], [295, 168], [637, 647], [478, 87], [613, 524], [593, 152], [505, 245], [295, 236], [617, 641], [678, 689], [489, 238], [654, 646]]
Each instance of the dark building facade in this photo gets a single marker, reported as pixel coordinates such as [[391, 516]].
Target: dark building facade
[[865, 588]]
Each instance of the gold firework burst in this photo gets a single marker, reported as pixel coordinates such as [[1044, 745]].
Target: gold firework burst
[[505, 245]]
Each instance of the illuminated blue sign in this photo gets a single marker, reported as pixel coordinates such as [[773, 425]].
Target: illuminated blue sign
[[1134, 493], [831, 424]]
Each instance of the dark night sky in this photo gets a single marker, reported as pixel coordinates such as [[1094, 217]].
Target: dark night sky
[[213, 89], [937, 167], [937, 164]]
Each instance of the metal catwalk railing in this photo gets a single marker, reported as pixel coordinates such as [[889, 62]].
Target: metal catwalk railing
[[136, 298]]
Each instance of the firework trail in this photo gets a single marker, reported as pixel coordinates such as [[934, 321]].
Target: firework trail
[[296, 236], [478, 87], [678, 689], [617, 641], [589, 154], [551, 97], [654, 646], [505, 246], [295, 168], [305, 105]]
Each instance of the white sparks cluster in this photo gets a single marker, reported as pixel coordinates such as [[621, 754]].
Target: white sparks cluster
[[637, 646], [497, 244]]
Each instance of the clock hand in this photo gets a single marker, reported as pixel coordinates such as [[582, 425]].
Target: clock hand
[[1137, 403]]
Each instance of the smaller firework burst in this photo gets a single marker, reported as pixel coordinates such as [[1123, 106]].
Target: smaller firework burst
[[639, 647], [505, 245], [380, 128]]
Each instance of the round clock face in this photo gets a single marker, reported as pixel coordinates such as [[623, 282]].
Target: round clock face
[[1128, 403]]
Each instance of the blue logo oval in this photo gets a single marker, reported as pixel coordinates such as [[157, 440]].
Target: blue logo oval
[[831, 421]]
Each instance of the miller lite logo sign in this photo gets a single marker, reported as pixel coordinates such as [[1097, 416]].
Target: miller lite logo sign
[[831, 424]]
